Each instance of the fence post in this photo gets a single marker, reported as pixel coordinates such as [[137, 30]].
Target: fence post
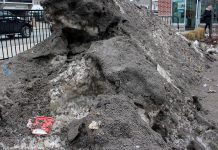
[[177, 22], [34, 21]]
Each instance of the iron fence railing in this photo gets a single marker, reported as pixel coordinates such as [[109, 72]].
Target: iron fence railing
[[20, 30], [166, 19], [170, 19]]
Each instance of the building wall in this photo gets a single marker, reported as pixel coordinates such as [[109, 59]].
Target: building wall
[[164, 8], [155, 5], [16, 4], [37, 2], [146, 3]]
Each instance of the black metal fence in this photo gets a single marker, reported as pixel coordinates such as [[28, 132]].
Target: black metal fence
[[20, 30]]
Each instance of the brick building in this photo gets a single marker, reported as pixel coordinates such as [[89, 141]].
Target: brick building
[[164, 7]]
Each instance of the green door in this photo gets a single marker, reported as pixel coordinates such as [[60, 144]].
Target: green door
[[190, 14], [178, 11]]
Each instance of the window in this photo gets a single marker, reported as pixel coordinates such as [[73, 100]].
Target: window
[[20, 1], [178, 12]]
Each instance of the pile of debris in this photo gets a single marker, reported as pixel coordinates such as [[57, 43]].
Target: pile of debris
[[113, 77], [213, 40]]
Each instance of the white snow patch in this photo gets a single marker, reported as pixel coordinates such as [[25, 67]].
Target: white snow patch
[[71, 24], [166, 76], [202, 143], [76, 71], [63, 110], [141, 113], [37, 7], [58, 60], [212, 50], [183, 37], [196, 47], [67, 113], [95, 125], [121, 8]]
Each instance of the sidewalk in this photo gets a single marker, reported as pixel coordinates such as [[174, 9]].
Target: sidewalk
[[208, 92]]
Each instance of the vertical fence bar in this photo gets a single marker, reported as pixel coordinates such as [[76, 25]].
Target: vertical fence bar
[[33, 25], [38, 14], [4, 28], [29, 21], [22, 43], [15, 45], [11, 44], [50, 29], [43, 28], [1, 28], [46, 29], [10, 29], [18, 40], [27, 43], [19, 43], [3, 55], [6, 44], [36, 28], [26, 46]]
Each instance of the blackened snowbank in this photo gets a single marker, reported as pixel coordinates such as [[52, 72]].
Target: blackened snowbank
[[110, 62]]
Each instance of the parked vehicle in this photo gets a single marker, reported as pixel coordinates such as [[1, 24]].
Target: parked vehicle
[[11, 25]]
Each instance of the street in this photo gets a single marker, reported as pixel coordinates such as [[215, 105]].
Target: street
[[12, 47]]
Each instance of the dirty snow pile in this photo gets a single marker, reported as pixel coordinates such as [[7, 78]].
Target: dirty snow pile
[[113, 77]]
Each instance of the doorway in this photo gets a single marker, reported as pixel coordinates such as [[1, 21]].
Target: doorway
[[190, 21]]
